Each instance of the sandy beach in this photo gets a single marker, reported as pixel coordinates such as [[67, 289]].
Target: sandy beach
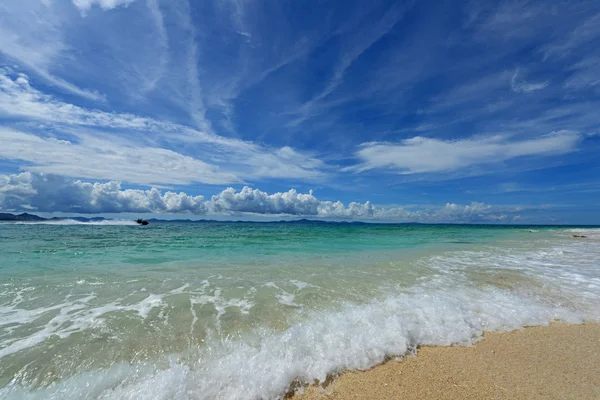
[[555, 362]]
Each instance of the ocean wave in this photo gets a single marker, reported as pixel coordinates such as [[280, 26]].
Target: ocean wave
[[589, 233], [556, 281], [355, 337]]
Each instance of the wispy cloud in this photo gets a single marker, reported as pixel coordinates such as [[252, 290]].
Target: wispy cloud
[[102, 159], [480, 90], [239, 158], [585, 74], [520, 86], [509, 20], [85, 5], [31, 34], [359, 41], [583, 34], [163, 46], [429, 155], [356, 42], [19, 99], [196, 105]]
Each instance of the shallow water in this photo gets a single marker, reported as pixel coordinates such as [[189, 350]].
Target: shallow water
[[240, 310]]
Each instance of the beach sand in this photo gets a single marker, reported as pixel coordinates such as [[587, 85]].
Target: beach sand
[[555, 362]]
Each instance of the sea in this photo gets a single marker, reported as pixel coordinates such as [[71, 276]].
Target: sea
[[245, 310]]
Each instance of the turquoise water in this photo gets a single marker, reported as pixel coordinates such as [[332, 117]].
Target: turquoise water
[[240, 310]]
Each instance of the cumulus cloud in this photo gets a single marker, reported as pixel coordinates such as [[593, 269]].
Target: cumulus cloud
[[52, 193], [256, 201], [423, 155]]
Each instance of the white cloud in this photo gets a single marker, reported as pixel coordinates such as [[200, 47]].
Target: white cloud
[[360, 41], [162, 43], [424, 155], [358, 37], [256, 201], [524, 87], [509, 20], [354, 210], [584, 74], [520, 86], [52, 193], [31, 32], [19, 99], [195, 104], [240, 158], [102, 159], [585, 33], [85, 5], [478, 91]]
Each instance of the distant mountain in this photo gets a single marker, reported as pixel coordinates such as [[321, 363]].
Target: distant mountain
[[34, 218], [20, 217]]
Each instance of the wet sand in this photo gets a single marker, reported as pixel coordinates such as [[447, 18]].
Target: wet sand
[[556, 362]]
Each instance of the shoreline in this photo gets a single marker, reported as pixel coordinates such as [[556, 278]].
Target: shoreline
[[560, 361]]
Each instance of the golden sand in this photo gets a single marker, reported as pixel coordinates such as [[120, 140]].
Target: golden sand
[[556, 362]]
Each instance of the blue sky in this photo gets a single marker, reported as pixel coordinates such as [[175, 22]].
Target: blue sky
[[407, 111]]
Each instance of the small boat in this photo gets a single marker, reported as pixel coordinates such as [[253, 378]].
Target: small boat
[[142, 221]]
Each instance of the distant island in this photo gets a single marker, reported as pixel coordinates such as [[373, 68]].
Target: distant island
[[25, 217]]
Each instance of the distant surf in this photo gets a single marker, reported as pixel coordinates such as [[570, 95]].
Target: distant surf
[[75, 222]]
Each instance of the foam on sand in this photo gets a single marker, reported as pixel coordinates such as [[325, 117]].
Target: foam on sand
[[537, 363]]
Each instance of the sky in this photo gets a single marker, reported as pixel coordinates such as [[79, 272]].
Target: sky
[[424, 111]]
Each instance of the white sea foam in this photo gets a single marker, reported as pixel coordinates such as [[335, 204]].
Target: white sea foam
[[218, 301], [287, 299], [73, 316], [84, 282], [283, 296], [356, 337], [593, 234], [56, 326], [302, 285]]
